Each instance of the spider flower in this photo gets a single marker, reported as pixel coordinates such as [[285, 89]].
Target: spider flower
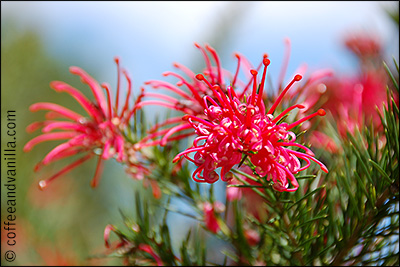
[[233, 128], [190, 101], [100, 133], [364, 45], [357, 98]]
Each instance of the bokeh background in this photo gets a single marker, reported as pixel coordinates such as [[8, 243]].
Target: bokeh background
[[64, 225]]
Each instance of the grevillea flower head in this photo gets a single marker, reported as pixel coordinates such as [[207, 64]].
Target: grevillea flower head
[[233, 128], [191, 101], [364, 45], [100, 133], [353, 100]]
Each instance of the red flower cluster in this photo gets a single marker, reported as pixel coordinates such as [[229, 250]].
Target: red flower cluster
[[231, 125], [353, 99], [233, 128], [101, 133], [363, 45], [356, 100]]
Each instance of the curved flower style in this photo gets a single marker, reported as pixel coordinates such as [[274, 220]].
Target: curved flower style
[[234, 128], [101, 133], [192, 100]]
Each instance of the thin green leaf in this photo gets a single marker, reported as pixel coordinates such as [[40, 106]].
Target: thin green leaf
[[308, 176], [381, 171], [309, 240], [391, 76], [361, 162], [249, 186], [306, 196], [246, 175], [311, 220], [395, 63], [364, 189]]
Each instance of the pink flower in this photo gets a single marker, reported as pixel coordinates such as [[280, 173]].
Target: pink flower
[[364, 45], [191, 101], [233, 193], [353, 100], [148, 249], [210, 218], [252, 237], [99, 133], [234, 128]]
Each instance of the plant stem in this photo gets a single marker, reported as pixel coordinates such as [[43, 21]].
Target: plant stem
[[292, 239], [356, 233]]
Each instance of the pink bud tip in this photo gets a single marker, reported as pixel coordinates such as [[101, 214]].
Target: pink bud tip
[[42, 185], [176, 159], [55, 84], [37, 167], [74, 70], [324, 168], [321, 112], [266, 61], [298, 77], [27, 148], [33, 108], [93, 183], [107, 232], [200, 77], [253, 72]]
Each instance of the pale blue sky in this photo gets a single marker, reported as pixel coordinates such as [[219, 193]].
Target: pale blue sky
[[149, 36]]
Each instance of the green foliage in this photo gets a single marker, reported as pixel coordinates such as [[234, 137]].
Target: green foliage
[[145, 228], [346, 217]]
